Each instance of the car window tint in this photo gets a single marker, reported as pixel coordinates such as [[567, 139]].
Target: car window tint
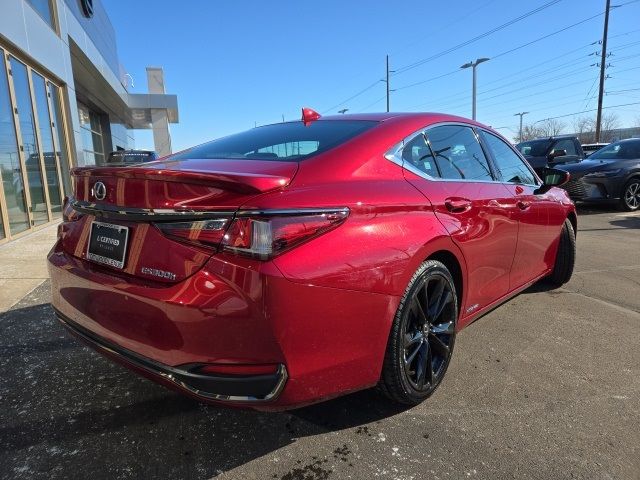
[[417, 153], [567, 145], [458, 153], [511, 167], [290, 141]]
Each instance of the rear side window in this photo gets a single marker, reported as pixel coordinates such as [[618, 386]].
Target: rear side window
[[458, 155], [417, 153], [511, 167], [291, 141]]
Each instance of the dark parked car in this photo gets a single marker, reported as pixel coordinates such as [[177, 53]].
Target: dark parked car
[[130, 157], [612, 174], [551, 151]]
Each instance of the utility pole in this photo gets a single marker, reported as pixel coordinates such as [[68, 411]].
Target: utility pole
[[522, 114], [602, 67], [388, 100], [473, 65]]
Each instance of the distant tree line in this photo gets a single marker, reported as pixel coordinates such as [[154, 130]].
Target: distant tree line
[[583, 127]]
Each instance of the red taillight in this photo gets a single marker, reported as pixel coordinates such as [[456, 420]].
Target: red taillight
[[68, 213], [203, 232], [265, 236]]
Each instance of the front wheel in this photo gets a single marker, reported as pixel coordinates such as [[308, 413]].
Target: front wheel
[[630, 198], [422, 336]]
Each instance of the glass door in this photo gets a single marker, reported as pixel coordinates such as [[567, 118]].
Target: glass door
[[15, 217], [36, 194], [48, 151]]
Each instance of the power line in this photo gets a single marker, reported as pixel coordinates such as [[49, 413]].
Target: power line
[[588, 111], [478, 37], [377, 82]]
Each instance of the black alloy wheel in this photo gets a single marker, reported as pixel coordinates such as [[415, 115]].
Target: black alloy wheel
[[422, 336], [631, 195]]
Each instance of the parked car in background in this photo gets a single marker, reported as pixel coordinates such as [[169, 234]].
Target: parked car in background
[[298, 261], [612, 174], [589, 148], [130, 157], [551, 151]]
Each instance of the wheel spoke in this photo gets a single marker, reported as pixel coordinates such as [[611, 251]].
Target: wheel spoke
[[424, 364], [413, 354], [420, 310], [444, 300], [446, 328], [436, 298], [438, 345], [411, 339]]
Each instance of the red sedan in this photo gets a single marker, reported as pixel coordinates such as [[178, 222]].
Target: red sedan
[[299, 261]]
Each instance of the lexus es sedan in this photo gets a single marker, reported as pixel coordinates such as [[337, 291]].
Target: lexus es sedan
[[611, 175], [300, 261]]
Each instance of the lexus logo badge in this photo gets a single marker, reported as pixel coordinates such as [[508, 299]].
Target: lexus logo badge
[[99, 191]]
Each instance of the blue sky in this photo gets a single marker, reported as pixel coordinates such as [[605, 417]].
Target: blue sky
[[236, 63]]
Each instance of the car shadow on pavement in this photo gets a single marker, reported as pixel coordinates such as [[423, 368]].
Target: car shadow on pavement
[[70, 413], [626, 222]]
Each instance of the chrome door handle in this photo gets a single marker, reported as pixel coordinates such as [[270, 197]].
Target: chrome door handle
[[522, 205]]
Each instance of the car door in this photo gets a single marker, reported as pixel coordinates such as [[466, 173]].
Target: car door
[[540, 215], [447, 164]]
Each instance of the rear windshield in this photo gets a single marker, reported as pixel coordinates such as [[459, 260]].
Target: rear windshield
[[130, 158], [292, 141], [534, 148], [622, 150]]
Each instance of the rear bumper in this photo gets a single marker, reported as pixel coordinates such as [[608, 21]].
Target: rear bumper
[[256, 388], [233, 312]]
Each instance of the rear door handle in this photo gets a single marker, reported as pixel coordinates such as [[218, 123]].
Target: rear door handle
[[522, 205], [457, 204]]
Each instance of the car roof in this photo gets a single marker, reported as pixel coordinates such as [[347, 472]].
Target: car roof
[[385, 116]]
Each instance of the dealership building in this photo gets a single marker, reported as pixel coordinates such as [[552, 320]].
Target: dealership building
[[64, 102]]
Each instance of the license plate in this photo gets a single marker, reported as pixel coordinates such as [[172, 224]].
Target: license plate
[[108, 244]]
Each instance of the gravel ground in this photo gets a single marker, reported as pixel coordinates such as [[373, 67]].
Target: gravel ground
[[546, 386]]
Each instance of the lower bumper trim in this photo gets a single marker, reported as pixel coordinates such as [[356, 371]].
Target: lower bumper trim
[[254, 388]]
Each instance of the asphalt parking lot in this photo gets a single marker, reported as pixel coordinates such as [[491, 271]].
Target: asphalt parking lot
[[546, 386]]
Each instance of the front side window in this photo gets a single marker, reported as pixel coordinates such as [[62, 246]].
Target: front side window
[[289, 142], [458, 155], [567, 145], [511, 167]]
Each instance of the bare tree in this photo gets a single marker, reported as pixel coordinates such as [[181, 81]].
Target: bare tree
[[584, 127], [610, 122], [531, 131], [551, 127]]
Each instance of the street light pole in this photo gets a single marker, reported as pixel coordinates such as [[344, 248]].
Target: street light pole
[[522, 114], [473, 65]]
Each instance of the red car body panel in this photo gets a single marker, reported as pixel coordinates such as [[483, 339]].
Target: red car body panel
[[323, 309]]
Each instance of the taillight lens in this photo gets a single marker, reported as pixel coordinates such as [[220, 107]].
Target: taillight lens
[[68, 213], [266, 236], [202, 232]]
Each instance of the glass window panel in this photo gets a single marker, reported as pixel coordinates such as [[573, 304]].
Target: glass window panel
[[10, 169], [46, 142], [97, 143], [61, 144], [510, 165], [458, 153], [29, 142], [43, 7], [417, 153]]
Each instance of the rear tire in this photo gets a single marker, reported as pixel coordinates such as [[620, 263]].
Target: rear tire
[[630, 198], [565, 258], [422, 336]]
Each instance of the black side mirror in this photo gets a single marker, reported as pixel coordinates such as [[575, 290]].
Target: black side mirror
[[552, 177], [556, 153]]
